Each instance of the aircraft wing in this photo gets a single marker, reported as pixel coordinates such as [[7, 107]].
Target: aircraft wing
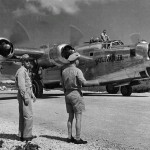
[[34, 53]]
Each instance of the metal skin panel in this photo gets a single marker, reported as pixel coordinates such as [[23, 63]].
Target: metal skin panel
[[114, 64]]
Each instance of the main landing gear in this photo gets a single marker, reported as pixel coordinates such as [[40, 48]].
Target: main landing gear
[[125, 90], [37, 88], [111, 89]]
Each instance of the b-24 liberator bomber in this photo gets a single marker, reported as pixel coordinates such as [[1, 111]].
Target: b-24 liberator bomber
[[113, 64]]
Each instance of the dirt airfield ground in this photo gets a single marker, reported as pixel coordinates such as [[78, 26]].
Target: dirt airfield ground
[[110, 122]]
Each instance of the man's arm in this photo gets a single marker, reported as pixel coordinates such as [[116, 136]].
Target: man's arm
[[33, 96], [22, 88], [108, 39], [90, 83], [84, 82], [61, 80]]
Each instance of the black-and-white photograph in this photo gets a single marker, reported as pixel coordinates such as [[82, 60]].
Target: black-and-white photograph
[[74, 75]]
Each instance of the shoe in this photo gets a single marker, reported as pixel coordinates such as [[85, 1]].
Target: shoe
[[22, 139], [28, 139], [80, 142], [70, 140], [31, 138]]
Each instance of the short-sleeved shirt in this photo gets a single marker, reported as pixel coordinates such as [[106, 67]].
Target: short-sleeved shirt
[[72, 78]]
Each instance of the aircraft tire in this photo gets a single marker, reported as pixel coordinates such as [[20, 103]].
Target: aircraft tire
[[37, 88], [111, 89], [126, 90]]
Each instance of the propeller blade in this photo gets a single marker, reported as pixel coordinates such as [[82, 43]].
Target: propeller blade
[[135, 38], [75, 35], [19, 34]]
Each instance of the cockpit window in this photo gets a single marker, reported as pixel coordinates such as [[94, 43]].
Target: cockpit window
[[91, 54], [116, 42]]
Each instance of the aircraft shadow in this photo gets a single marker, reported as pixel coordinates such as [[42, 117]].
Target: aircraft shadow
[[8, 98], [110, 95], [49, 96], [9, 136], [54, 138], [45, 96]]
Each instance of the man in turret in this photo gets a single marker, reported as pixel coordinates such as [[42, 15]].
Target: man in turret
[[104, 36], [105, 39]]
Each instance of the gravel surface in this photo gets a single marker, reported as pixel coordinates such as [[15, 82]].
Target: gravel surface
[[110, 122], [50, 140]]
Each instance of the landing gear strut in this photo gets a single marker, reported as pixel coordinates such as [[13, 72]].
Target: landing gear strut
[[37, 88], [111, 89], [126, 90]]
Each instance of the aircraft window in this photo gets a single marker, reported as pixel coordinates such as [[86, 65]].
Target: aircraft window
[[91, 54], [121, 43], [115, 43], [132, 53], [106, 45]]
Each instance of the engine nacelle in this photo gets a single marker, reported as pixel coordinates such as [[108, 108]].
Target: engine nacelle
[[6, 48], [53, 56]]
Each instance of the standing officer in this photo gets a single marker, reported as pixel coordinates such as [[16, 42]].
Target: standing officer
[[72, 81], [25, 93]]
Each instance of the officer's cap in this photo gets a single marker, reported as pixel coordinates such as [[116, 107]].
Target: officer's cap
[[25, 57], [74, 56]]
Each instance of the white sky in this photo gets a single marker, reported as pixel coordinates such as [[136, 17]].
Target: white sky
[[49, 20]]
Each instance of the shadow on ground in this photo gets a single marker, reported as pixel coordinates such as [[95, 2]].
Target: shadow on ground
[[9, 136], [48, 96], [45, 96], [110, 95], [8, 98], [54, 138]]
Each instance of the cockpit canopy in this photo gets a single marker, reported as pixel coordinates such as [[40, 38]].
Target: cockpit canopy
[[108, 44]]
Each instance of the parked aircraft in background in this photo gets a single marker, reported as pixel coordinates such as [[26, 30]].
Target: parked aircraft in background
[[113, 64]]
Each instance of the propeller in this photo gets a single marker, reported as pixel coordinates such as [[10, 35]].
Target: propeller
[[75, 35], [19, 34]]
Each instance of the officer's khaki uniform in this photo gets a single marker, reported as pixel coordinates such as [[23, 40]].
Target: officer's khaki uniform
[[24, 85]]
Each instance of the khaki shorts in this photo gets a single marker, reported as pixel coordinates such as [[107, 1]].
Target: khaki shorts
[[74, 102]]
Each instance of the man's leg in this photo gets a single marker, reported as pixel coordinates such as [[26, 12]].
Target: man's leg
[[78, 129], [28, 120], [69, 125], [78, 117], [21, 120]]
